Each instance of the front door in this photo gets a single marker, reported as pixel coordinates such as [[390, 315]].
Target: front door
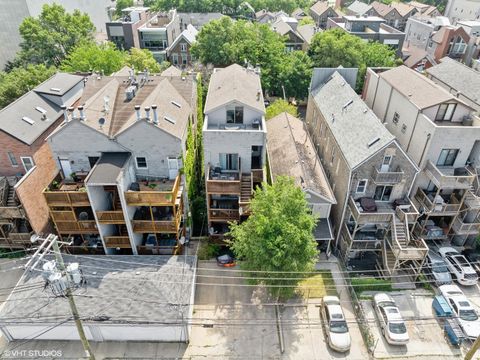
[[172, 168], [66, 168]]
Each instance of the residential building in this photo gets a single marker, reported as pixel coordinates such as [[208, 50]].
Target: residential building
[[234, 139], [307, 32], [472, 54], [143, 29], [361, 8], [371, 175], [118, 188], [26, 165], [462, 10], [197, 20], [459, 80], [111, 292], [266, 17], [321, 11], [395, 14], [369, 28], [297, 37], [441, 135], [299, 14], [13, 13], [448, 41], [292, 153], [425, 9], [179, 51]]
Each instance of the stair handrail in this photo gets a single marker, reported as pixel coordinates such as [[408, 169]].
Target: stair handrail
[[394, 233], [404, 218]]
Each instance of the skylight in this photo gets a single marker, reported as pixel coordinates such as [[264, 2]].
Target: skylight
[[176, 104], [28, 120], [41, 110], [55, 89], [170, 120], [373, 142]]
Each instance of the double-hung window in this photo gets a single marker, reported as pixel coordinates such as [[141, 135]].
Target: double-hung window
[[362, 186]]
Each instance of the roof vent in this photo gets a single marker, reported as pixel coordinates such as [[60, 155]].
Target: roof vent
[[365, 110], [347, 104], [170, 120], [333, 117], [41, 110], [101, 122], [55, 89], [176, 104], [28, 120], [373, 142]]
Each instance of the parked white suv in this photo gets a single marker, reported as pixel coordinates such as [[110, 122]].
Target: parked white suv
[[466, 315], [334, 324], [391, 321], [459, 266]]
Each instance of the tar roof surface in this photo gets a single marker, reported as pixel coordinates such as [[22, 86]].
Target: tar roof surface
[[117, 287], [458, 76], [354, 126], [108, 168], [419, 90], [359, 7], [291, 153], [58, 84], [234, 83]]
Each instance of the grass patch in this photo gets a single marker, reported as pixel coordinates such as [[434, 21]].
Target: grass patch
[[317, 286], [361, 284], [208, 251]]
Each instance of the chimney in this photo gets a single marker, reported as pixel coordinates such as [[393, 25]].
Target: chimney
[[155, 116], [81, 113], [65, 113], [137, 111], [71, 110], [147, 113]]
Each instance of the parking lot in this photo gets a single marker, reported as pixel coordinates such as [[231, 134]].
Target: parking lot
[[425, 331]]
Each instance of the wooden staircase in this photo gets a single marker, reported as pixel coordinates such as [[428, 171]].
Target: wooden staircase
[[400, 232], [246, 188], [11, 198]]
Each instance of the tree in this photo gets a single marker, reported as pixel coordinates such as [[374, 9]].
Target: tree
[[276, 237], [89, 56], [48, 38], [307, 20], [333, 48], [142, 59], [21, 80], [122, 4], [295, 73], [279, 106]]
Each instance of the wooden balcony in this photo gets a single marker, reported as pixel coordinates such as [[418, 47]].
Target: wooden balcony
[[110, 217], [383, 214], [227, 183], [77, 227], [446, 208], [66, 215], [387, 177], [154, 198], [448, 177], [122, 242], [461, 228], [11, 212], [224, 215], [66, 198], [148, 226]]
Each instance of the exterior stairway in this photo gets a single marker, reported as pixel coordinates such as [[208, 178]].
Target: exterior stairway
[[401, 233], [246, 188], [11, 201]]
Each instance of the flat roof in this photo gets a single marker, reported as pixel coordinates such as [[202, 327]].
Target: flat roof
[[119, 288], [59, 84], [108, 168], [363, 18]]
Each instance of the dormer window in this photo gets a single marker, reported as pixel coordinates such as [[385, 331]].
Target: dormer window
[[235, 116], [445, 112]]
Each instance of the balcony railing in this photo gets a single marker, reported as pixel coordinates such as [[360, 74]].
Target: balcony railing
[[414, 249], [77, 227], [154, 198], [445, 178], [64, 215], [380, 216], [224, 214], [148, 226], [14, 212], [462, 228], [224, 182], [427, 202], [122, 242], [257, 175], [110, 217], [387, 177], [66, 198]]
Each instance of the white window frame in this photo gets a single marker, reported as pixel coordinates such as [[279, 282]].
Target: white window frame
[[183, 47], [364, 186], [141, 167], [12, 158], [23, 162]]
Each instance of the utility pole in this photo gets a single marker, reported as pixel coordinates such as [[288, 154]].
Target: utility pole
[[52, 241], [473, 349]]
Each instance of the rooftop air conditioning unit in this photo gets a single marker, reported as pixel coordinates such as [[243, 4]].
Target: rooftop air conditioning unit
[[130, 93]]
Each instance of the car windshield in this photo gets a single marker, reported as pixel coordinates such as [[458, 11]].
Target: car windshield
[[468, 315], [338, 327], [439, 268], [397, 328]]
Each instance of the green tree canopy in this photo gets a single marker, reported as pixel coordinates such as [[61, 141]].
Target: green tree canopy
[[277, 236], [335, 47], [89, 56], [307, 20], [48, 38], [279, 106], [122, 4], [142, 59], [295, 74], [20, 80]]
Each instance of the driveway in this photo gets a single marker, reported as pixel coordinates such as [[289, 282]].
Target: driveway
[[426, 333]]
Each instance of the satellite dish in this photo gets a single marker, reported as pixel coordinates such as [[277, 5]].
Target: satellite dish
[[101, 121]]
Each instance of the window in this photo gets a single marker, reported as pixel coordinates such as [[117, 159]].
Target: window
[[235, 116], [141, 162], [184, 59], [383, 192], [27, 162], [362, 186], [404, 128], [396, 117], [445, 112], [447, 157], [12, 159], [175, 59], [229, 161], [183, 47]]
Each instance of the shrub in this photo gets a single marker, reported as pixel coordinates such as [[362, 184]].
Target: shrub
[[361, 284], [208, 251]]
